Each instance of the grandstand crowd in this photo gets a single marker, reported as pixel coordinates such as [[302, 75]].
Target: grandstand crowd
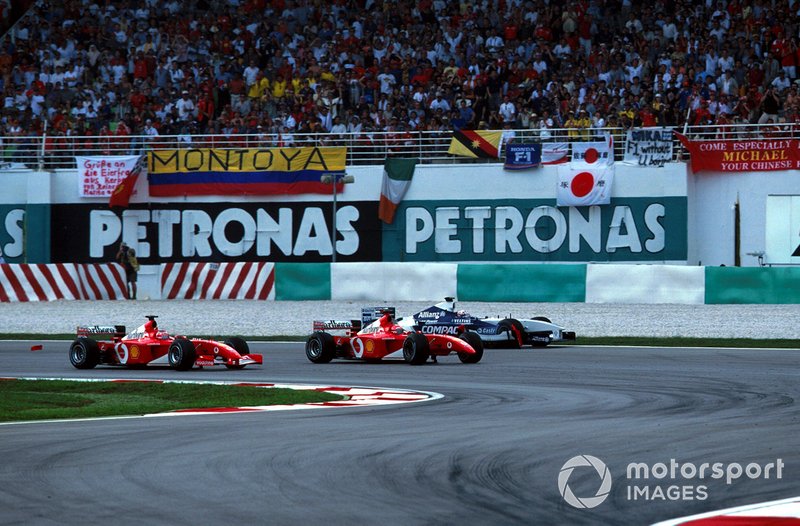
[[154, 67]]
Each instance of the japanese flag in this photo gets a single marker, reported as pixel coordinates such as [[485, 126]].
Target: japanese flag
[[579, 185], [588, 178], [594, 153]]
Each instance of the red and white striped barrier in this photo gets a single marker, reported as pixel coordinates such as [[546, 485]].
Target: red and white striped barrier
[[61, 281], [229, 281], [784, 512]]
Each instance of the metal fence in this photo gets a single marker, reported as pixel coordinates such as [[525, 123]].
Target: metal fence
[[51, 152]]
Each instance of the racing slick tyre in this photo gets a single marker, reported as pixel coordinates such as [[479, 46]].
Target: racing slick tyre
[[181, 354], [472, 338], [84, 353], [416, 349], [515, 330], [240, 346], [320, 347]]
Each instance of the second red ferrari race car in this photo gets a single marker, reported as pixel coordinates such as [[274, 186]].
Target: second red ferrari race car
[[149, 345], [383, 338]]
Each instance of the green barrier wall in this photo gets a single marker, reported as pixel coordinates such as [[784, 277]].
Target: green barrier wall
[[752, 285], [37, 233], [302, 281], [534, 283]]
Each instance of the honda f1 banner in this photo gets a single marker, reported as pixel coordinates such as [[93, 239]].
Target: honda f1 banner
[[582, 186], [268, 171], [593, 153], [99, 176], [648, 147], [475, 143], [523, 156], [762, 155]]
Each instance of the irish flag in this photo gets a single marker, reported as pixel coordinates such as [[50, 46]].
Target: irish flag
[[397, 174]]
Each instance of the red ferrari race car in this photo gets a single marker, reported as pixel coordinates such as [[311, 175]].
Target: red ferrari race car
[[383, 338], [149, 345]]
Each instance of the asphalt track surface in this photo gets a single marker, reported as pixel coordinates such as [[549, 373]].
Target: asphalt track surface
[[488, 453]]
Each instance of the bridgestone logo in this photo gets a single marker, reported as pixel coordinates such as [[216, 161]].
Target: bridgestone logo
[[333, 325], [98, 329]]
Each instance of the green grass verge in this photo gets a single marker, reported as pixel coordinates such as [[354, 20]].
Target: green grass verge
[[582, 340], [22, 400]]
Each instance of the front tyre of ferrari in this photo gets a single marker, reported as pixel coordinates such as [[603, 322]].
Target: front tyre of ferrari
[[240, 346], [181, 354], [474, 341], [416, 349], [514, 330], [320, 347], [84, 353]]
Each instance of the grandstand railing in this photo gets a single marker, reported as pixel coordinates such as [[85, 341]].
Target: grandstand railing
[[51, 152]]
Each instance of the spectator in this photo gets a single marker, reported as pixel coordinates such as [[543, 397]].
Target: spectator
[[126, 257], [537, 56], [770, 106]]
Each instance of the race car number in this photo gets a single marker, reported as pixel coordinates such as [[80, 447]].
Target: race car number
[[122, 353], [358, 347]]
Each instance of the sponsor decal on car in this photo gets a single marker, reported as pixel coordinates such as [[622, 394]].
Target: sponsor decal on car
[[201, 363], [332, 325], [97, 329], [439, 329]]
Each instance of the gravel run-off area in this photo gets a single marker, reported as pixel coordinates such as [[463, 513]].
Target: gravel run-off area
[[270, 318]]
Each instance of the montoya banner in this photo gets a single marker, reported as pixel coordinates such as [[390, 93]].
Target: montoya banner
[[648, 147], [164, 232], [534, 230], [244, 171], [763, 155]]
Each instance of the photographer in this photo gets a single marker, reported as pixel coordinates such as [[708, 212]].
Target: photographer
[[126, 257]]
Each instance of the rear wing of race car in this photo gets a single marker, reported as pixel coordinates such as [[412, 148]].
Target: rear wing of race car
[[370, 314], [115, 331], [352, 326]]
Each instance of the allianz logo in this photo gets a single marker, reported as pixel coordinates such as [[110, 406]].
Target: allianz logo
[[426, 314]]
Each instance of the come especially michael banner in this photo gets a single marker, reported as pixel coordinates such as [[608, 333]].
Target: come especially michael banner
[[269, 171], [762, 155]]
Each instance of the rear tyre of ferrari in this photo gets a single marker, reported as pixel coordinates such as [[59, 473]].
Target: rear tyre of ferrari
[[320, 347], [240, 346], [512, 327], [474, 341], [84, 353], [182, 354], [416, 349]]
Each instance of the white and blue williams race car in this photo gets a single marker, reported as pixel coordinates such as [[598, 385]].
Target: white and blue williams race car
[[443, 318]]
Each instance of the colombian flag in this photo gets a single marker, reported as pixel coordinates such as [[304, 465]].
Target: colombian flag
[[475, 143]]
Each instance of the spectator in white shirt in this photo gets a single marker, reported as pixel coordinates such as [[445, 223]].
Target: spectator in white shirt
[[185, 107], [507, 110]]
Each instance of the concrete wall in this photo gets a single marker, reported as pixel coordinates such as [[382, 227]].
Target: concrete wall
[[710, 198]]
